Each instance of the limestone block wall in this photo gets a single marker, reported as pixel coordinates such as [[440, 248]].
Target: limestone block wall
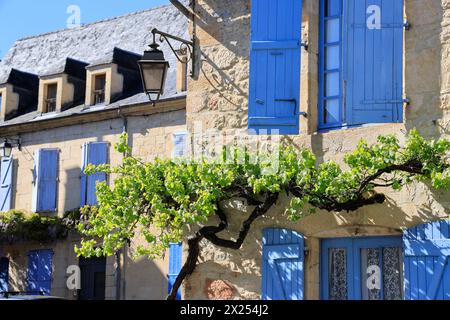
[[10, 101], [150, 136], [218, 99]]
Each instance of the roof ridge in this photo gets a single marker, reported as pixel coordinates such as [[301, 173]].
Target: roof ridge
[[91, 23]]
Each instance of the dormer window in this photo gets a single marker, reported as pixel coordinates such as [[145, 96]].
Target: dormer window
[[50, 97], [62, 87], [99, 90], [112, 78]]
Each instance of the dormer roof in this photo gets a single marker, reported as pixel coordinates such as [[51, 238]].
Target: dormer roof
[[20, 79], [122, 58], [69, 66], [115, 40]]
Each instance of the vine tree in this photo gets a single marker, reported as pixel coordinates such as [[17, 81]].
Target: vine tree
[[158, 199]]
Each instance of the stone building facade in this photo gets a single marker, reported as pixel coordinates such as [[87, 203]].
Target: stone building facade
[[220, 101], [218, 98], [84, 109]]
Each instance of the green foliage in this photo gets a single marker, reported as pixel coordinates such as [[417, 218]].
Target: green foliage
[[157, 200], [17, 226]]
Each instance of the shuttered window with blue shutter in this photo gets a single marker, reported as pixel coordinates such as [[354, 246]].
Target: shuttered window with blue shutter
[[95, 153], [330, 64], [282, 265], [6, 177], [179, 145], [427, 267], [175, 256], [45, 180], [274, 92], [40, 272], [360, 62], [4, 274]]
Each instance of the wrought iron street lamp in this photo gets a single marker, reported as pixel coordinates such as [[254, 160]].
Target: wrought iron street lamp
[[6, 147], [153, 65]]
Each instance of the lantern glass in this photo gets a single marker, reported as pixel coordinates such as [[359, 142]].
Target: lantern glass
[[154, 75], [5, 149]]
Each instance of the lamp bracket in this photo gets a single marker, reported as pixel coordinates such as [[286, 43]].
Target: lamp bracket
[[187, 48], [17, 142]]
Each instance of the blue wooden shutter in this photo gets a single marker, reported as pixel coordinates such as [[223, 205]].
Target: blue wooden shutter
[[45, 180], [374, 59], [83, 177], [175, 256], [4, 274], [179, 145], [40, 272], [282, 265], [427, 270], [95, 153], [6, 174], [275, 57]]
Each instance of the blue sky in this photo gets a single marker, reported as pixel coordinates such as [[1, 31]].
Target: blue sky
[[23, 18]]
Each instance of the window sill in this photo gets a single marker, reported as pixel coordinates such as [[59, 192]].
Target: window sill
[[95, 107], [46, 115], [346, 127]]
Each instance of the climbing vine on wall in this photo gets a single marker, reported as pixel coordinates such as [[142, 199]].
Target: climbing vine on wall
[[16, 225], [158, 199]]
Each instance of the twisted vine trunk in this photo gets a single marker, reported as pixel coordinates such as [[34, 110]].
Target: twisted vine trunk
[[332, 205], [210, 233]]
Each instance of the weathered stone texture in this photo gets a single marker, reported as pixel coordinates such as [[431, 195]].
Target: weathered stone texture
[[150, 136], [218, 100], [218, 290]]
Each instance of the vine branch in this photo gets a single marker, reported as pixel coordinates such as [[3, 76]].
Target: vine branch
[[210, 232], [170, 194]]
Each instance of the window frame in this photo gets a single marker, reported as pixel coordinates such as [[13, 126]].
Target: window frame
[[48, 100], [322, 98], [37, 180], [174, 137], [353, 272], [98, 92], [344, 108]]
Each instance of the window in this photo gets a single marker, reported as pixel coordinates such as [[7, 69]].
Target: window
[[362, 268], [282, 275], [6, 183], [1, 102], [39, 275], [427, 261], [331, 63], [179, 145], [4, 274], [175, 257], [50, 97], [360, 63], [45, 180], [95, 153], [275, 56], [99, 88], [93, 277]]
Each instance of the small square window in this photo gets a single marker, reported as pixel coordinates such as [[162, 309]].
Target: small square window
[[99, 89], [50, 97]]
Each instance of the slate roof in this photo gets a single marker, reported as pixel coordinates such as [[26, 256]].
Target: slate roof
[[93, 44]]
